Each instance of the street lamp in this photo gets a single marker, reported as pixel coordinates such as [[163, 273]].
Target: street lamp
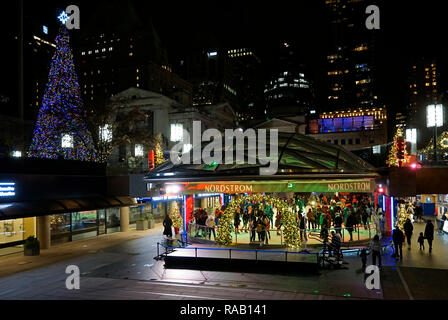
[[434, 118]]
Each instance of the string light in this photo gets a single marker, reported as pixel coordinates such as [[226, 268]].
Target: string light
[[291, 230], [62, 111]]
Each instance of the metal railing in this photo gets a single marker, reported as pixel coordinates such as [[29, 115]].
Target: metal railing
[[200, 231]]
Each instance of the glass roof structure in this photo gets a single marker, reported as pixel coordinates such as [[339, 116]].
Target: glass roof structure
[[297, 154]]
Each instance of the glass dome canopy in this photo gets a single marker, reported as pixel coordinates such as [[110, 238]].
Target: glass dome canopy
[[297, 154]]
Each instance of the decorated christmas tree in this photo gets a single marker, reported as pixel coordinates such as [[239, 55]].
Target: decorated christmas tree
[[398, 156], [402, 216], [159, 158], [61, 130], [175, 216]]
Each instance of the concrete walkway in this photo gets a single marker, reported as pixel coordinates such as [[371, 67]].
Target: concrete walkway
[[17, 262], [122, 266]]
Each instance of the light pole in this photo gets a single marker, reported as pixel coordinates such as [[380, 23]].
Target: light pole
[[434, 118]]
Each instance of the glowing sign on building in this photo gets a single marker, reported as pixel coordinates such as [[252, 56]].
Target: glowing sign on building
[[7, 189]]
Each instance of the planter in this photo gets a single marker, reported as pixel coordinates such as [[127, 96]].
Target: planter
[[35, 251], [142, 225], [151, 224], [176, 231]]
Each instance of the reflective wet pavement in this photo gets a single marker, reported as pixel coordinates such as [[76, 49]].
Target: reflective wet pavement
[[128, 271]]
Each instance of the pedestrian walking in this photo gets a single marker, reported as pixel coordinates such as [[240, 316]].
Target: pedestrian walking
[[398, 239], [375, 248], [408, 229], [429, 234], [168, 224], [363, 255], [421, 241]]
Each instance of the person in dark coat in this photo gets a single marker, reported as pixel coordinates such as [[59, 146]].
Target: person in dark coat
[[408, 229], [167, 224], [429, 233], [350, 223], [398, 239], [338, 223]]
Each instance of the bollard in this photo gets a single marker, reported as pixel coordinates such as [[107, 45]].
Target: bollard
[[358, 233], [286, 256], [256, 255], [158, 254], [230, 254]]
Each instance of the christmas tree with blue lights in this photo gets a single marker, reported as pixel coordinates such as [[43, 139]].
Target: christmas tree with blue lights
[[61, 128]]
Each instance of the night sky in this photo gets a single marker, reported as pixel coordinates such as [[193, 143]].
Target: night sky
[[408, 30]]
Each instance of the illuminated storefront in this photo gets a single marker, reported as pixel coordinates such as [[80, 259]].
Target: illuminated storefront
[[305, 165]]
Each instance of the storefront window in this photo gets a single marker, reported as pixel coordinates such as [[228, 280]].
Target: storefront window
[[113, 220], [135, 213], [13, 232], [60, 228], [84, 225]]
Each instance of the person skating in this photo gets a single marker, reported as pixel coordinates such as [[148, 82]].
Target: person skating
[[349, 224], [398, 239], [236, 221], [429, 234], [421, 241], [210, 223], [260, 230], [302, 227], [253, 228], [267, 226], [338, 222], [278, 222], [408, 229], [335, 245], [311, 219]]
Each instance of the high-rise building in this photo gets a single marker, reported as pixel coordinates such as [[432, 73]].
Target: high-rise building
[[351, 71], [423, 89], [288, 91], [243, 84], [124, 52]]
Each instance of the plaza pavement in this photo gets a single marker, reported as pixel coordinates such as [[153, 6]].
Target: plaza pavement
[[121, 266]]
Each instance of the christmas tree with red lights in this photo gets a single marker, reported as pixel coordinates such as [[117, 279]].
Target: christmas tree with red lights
[[61, 128], [398, 156]]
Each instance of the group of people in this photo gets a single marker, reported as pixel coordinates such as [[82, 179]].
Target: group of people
[[321, 213], [399, 237], [312, 212]]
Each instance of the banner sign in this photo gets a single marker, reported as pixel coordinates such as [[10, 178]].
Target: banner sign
[[7, 189], [345, 185]]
